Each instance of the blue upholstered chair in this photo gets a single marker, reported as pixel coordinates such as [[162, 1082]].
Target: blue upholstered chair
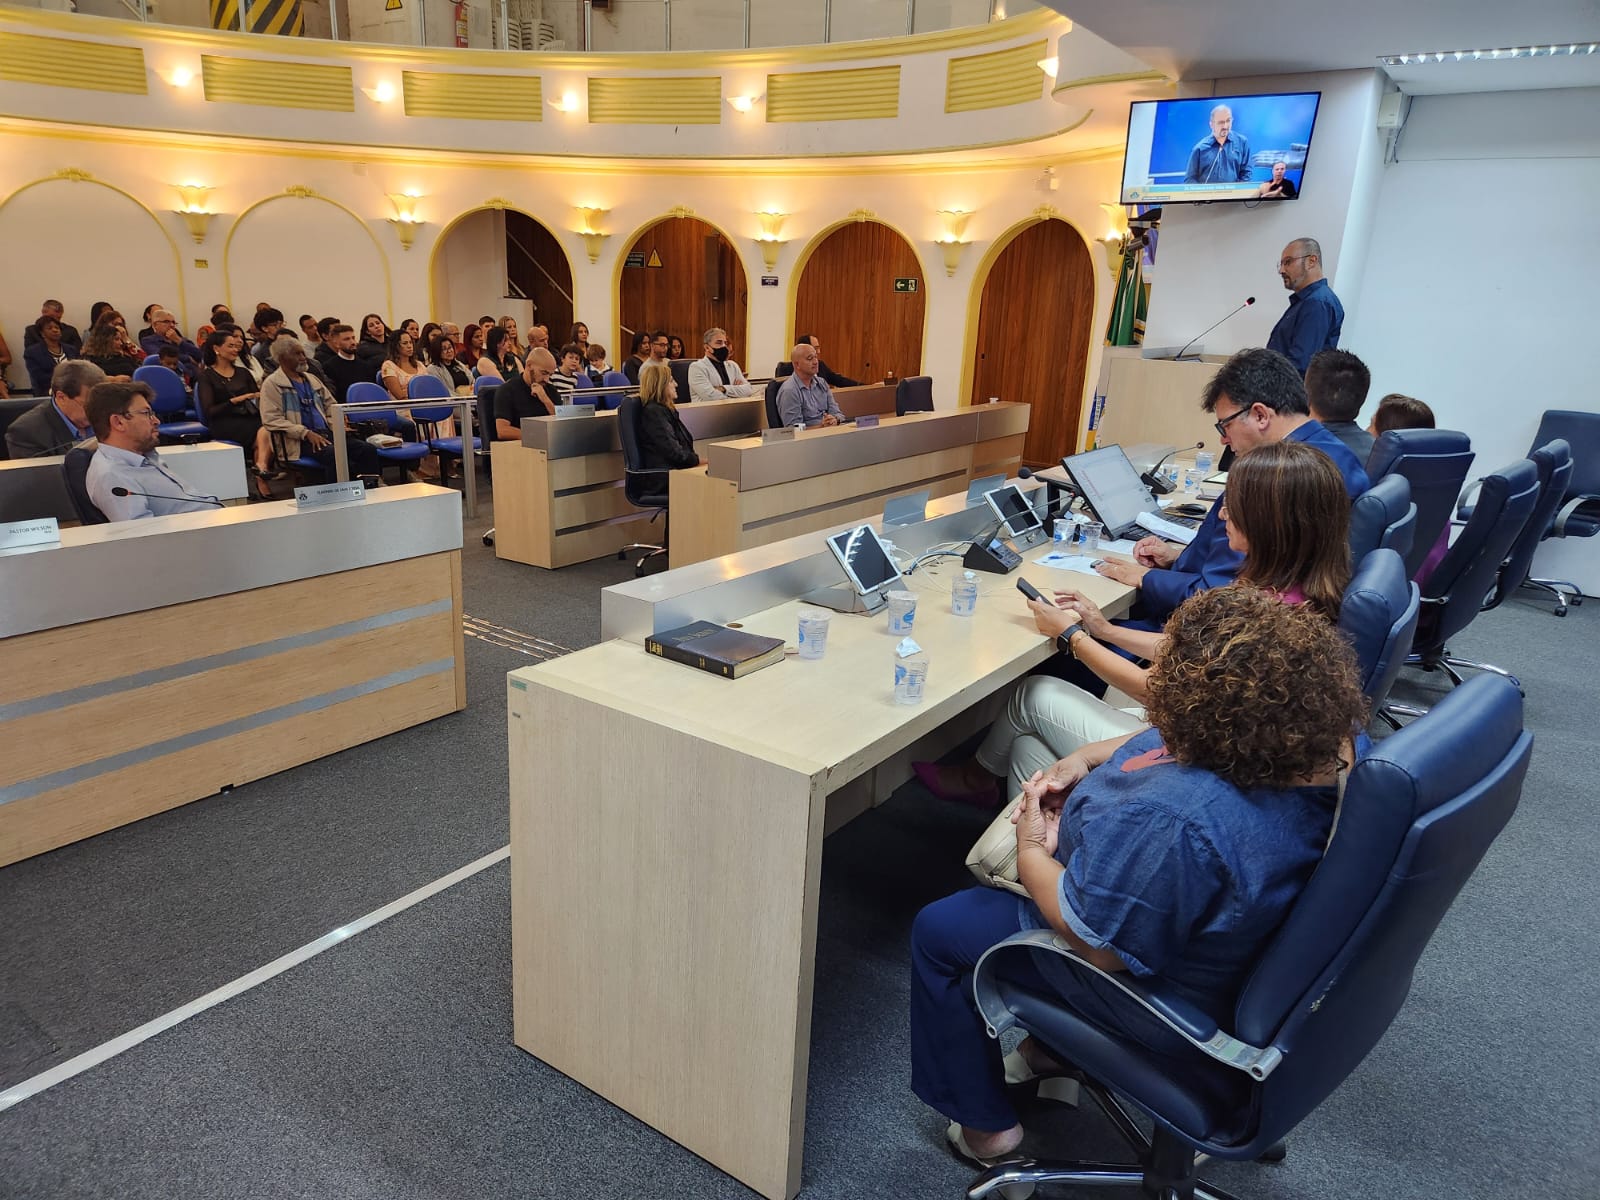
[[1378, 617], [1456, 590], [171, 403], [773, 419], [612, 379], [428, 419], [427, 387], [913, 394], [1579, 512], [75, 474], [643, 488], [1435, 463], [405, 455], [1383, 517], [1554, 465], [1417, 816], [680, 375]]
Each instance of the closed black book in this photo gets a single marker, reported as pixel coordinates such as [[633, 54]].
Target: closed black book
[[716, 648]]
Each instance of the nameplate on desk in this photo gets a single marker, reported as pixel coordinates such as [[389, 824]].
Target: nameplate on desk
[[868, 421], [784, 433], [565, 412], [29, 533], [325, 494]]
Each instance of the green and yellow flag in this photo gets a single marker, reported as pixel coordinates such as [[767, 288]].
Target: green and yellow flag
[[1126, 327]]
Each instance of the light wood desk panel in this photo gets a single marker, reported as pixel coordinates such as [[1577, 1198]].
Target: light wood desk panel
[[1157, 400], [664, 933]]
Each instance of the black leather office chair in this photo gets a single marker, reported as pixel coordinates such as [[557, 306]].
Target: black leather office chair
[[783, 370], [1553, 462], [1454, 593], [1435, 463], [1378, 617], [680, 373], [75, 471], [485, 390], [774, 421], [913, 394], [643, 488], [1382, 517], [1418, 815], [1579, 513]]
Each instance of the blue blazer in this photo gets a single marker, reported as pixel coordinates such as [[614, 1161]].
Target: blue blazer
[[41, 366]]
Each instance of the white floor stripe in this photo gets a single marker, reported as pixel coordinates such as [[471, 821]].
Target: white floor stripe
[[127, 1041]]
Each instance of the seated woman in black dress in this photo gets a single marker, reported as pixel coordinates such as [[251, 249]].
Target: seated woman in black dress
[[664, 444], [109, 348], [230, 399]]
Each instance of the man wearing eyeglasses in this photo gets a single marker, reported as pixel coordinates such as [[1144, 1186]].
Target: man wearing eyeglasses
[[1257, 398], [1315, 316], [126, 427]]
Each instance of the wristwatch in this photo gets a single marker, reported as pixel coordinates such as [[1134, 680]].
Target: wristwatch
[[1064, 639]]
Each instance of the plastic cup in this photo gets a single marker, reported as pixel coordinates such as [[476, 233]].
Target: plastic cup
[[964, 596], [1063, 529], [814, 632], [910, 678], [902, 611], [1089, 537], [1205, 463], [1191, 480]]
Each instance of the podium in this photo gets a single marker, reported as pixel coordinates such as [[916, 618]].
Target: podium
[[1157, 400]]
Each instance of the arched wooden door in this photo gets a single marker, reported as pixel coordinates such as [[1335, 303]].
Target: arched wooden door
[[847, 298], [1034, 327], [683, 276]]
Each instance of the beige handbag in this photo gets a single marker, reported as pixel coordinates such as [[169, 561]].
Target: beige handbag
[[993, 857]]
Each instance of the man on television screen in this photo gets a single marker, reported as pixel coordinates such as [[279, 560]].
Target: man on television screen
[[1280, 186], [1223, 156]]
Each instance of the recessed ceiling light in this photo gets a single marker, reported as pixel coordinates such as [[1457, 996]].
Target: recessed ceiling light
[[1438, 56]]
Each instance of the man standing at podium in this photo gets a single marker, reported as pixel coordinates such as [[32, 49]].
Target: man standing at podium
[[1314, 316]]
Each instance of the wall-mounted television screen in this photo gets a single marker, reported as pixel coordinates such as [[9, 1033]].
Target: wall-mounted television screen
[[1218, 148]]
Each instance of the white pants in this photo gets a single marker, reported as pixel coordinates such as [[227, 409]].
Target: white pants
[[1045, 720]]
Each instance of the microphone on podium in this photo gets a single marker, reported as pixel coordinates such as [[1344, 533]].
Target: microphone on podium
[[1249, 300], [212, 501]]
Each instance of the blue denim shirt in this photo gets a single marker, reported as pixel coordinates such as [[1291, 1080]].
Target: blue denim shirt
[[1178, 872], [1311, 323], [1227, 163]]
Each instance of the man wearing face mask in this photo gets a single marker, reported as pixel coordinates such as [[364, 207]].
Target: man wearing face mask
[[716, 376]]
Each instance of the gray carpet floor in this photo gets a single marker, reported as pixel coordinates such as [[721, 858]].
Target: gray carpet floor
[[385, 1068]]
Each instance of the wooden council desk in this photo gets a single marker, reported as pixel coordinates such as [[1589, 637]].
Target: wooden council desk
[[145, 664], [752, 492], [667, 830]]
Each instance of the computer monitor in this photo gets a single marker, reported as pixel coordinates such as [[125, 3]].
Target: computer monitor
[[1014, 510], [1111, 488], [865, 559]]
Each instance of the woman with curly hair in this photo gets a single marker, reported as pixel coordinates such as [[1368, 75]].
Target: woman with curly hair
[[1173, 853], [1288, 513]]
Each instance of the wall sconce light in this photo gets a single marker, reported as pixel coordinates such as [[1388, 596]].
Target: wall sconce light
[[953, 241], [405, 219], [380, 93], [1050, 66], [771, 240], [744, 104], [194, 211], [593, 240], [951, 248], [567, 102], [178, 77]]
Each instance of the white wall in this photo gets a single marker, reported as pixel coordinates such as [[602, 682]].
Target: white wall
[[1212, 256], [470, 269], [1479, 293]]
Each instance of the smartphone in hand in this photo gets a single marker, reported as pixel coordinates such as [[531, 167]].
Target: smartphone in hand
[[1031, 592]]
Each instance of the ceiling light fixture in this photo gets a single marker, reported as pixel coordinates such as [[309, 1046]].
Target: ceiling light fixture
[[1438, 56]]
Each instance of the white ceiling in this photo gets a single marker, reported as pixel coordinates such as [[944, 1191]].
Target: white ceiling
[[1220, 39]]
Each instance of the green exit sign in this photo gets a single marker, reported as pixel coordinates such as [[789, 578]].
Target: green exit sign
[[906, 284]]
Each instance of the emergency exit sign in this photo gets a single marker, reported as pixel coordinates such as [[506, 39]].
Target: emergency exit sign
[[905, 284]]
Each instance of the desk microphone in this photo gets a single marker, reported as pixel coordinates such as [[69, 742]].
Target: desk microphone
[[1155, 482], [212, 501], [1249, 300]]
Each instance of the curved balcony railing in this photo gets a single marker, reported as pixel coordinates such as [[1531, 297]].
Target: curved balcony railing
[[603, 26]]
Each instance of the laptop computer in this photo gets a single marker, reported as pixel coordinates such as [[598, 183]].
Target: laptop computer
[[1114, 492]]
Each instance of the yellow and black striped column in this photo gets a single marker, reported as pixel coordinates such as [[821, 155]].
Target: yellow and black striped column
[[264, 16]]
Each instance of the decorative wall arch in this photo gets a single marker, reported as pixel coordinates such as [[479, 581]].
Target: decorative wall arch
[[438, 309], [740, 336], [980, 280], [299, 192], [797, 275], [77, 175]]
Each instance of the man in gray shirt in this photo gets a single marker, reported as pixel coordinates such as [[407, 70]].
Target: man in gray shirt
[[804, 398], [127, 428]]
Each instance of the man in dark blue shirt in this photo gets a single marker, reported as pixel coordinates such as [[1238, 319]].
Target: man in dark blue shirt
[[1222, 156], [1257, 397], [1315, 316]]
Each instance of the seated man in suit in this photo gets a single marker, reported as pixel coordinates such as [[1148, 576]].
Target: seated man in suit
[[56, 425], [1258, 397], [714, 375], [127, 459]]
